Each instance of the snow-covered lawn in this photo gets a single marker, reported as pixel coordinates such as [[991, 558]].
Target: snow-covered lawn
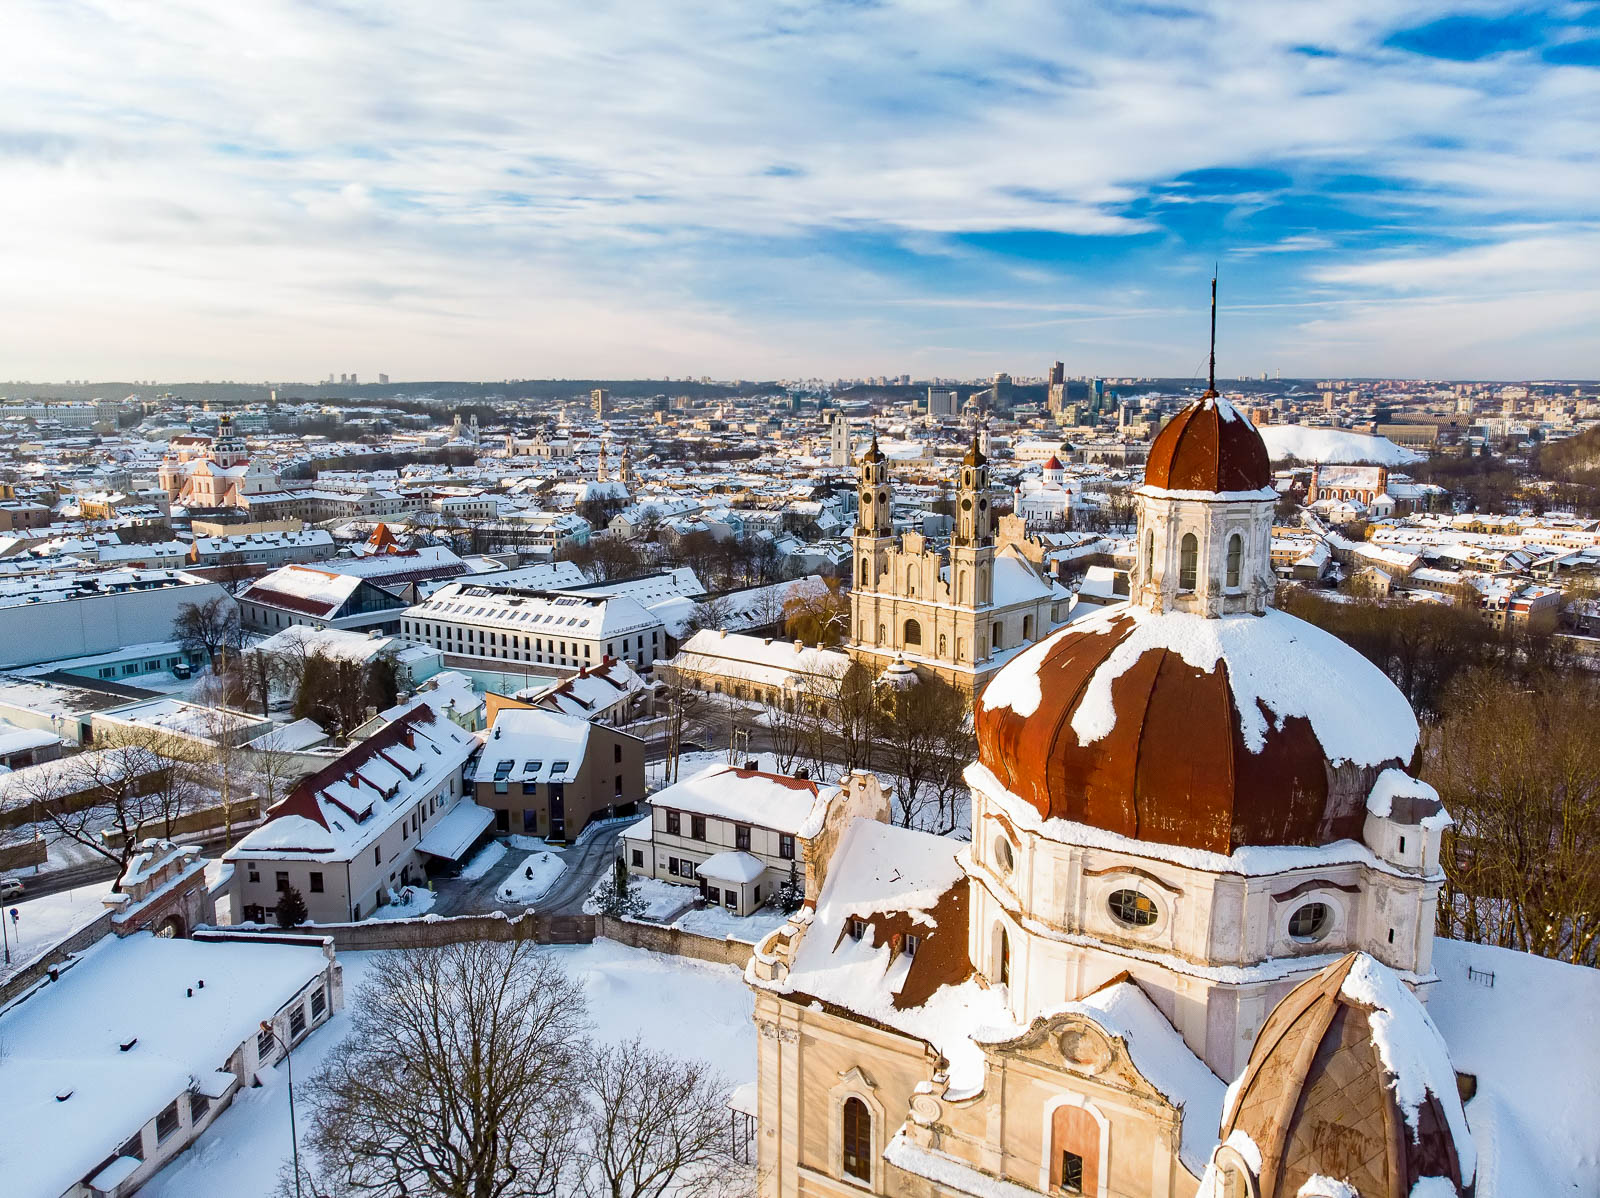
[[483, 861], [661, 899], [529, 881], [690, 1008], [43, 922]]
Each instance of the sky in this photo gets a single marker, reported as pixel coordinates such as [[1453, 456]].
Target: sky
[[492, 189]]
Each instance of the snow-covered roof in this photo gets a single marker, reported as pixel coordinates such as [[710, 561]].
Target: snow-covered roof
[[73, 1096], [732, 866], [795, 806], [530, 745], [1277, 667], [303, 588], [456, 830], [763, 660]]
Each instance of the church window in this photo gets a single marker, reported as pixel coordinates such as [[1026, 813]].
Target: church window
[[1132, 908], [913, 633], [1310, 921], [1235, 558], [1027, 628], [1071, 1173], [865, 577], [995, 634], [1149, 553], [1002, 957], [1188, 561], [856, 1140], [1003, 859], [911, 581]]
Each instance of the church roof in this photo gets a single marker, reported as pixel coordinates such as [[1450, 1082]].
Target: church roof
[[1208, 446], [1210, 734], [1350, 1080]]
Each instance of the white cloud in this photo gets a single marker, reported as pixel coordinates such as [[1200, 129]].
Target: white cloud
[[489, 189]]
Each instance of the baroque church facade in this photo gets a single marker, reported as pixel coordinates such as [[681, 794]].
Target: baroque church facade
[[961, 613], [1199, 857], [202, 473]]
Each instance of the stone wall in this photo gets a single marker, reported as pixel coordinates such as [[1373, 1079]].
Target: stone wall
[[430, 931], [30, 975], [23, 853]]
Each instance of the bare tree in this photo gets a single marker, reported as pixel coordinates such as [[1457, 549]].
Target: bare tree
[[655, 1125], [109, 798], [210, 628], [818, 616], [1518, 767], [844, 727], [926, 741], [459, 1078]]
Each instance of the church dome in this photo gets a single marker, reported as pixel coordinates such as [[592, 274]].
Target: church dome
[[1349, 1081], [1208, 446], [1206, 733]]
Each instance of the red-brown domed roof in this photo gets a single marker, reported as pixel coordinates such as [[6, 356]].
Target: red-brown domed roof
[[1273, 738], [1209, 446]]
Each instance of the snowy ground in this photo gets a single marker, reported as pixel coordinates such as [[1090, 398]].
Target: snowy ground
[[43, 922], [529, 881], [420, 903], [483, 861], [662, 900], [689, 1008]]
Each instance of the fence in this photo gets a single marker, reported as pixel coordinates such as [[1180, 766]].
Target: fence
[[35, 971], [25, 852]]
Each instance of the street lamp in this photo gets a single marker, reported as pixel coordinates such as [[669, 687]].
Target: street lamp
[[294, 1136]]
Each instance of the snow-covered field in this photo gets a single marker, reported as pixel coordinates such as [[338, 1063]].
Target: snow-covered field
[[664, 900], [689, 1008], [529, 881], [42, 922], [1333, 445]]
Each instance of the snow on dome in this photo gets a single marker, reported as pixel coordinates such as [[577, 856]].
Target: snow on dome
[[1397, 795], [1412, 1050], [1208, 732]]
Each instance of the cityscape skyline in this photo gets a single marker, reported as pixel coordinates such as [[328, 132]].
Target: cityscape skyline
[[817, 191]]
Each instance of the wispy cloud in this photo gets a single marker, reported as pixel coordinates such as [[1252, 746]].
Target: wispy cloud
[[279, 189]]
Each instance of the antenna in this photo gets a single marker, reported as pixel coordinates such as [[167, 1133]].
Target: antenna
[[1211, 376]]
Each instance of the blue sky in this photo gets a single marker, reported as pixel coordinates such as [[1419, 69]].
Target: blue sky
[[482, 190]]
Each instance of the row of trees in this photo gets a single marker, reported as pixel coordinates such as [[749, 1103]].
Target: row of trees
[[920, 734], [470, 1073]]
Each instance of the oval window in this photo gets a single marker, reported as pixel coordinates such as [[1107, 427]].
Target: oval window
[[1132, 908], [883, 497], [1310, 921], [1002, 854], [966, 505]]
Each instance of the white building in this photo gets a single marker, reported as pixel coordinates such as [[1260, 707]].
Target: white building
[[118, 1064], [567, 630], [319, 598], [364, 825], [738, 834]]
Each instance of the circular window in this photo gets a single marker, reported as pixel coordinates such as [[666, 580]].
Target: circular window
[[1132, 908], [866, 497], [983, 505], [883, 497], [1310, 922], [966, 505], [1002, 854]]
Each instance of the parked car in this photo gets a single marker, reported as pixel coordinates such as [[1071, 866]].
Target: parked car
[[10, 888]]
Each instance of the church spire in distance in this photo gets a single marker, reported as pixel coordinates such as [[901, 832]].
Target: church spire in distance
[[1211, 372]]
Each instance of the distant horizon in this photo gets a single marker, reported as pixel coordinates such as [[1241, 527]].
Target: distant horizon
[[226, 190]]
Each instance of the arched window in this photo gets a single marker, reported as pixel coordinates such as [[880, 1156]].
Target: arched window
[[995, 637], [1002, 957], [1235, 558], [911, 580], [864, 577], [961, 586], [1149, 553], [1188, 561], [1074, 1151], [913, 633], [855, 1134], [1027, 628]]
